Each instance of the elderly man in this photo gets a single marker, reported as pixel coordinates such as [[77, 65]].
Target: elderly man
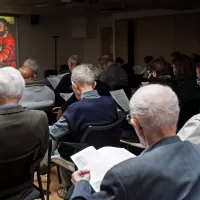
[[91, 110], [21, 130], [36, 95], [114, 75], [167, 169], [64, 85], [33, 65]]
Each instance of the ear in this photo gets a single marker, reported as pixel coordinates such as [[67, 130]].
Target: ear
[[95, 83], [154, 74], [74, 85], [137, 127]]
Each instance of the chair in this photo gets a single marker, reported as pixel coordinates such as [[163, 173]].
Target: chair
[[188, 110], [19, 180], [97, 136]]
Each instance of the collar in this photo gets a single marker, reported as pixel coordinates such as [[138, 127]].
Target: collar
[[14, 108], [165, 141], [93, 94], [34, 83]]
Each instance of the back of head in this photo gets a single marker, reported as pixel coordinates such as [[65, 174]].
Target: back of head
[[119, 61], [32, 64], [160, 66], [106, 59], [27, 73], [83, 75], [183, 66], [75, 59], [11, 84], [155, 107], [97, 71]]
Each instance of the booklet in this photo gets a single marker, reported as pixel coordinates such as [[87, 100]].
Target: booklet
[[122, 100], [100, 161], [66, 96]]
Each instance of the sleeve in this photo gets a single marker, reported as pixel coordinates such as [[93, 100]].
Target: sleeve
[[44, 136], [60, 128], [8, 48], [111, 189], [191, 131]]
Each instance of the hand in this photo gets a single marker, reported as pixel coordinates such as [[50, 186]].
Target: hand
[[80, 175], [59, 114]]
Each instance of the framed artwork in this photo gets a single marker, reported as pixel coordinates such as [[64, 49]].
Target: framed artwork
[[8, 41]]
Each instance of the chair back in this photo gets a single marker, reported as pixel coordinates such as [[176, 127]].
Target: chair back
[[17, 173], [101, 136], [188, 110]]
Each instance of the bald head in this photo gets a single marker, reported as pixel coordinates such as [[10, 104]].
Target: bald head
[[27, 73]]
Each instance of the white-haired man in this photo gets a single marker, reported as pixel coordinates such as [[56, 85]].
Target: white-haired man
[[167, 169], [20, 132], [64, 85], [33, 65], [91, 110]]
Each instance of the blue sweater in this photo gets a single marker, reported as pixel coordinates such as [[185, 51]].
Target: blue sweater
[[90, 112]]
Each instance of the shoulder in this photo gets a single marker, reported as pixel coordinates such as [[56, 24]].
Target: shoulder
[[36, 115]]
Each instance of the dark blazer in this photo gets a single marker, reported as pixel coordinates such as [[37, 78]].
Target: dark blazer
[[21, 131], [168, 170]]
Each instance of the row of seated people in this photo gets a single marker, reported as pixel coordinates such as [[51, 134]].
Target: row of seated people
[[154, 112]]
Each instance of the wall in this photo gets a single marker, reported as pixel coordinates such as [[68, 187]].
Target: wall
[[36, 41], [159, 36]]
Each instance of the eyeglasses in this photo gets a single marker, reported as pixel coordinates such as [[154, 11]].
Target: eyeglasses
[[128, 118]]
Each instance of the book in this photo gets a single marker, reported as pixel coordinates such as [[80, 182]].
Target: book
[[122, 100], [100, 161]]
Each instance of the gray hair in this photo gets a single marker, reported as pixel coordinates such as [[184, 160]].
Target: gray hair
[[155, 106], [32, 64], [12, 84], [83, 74], [97, 71], [75, 59]]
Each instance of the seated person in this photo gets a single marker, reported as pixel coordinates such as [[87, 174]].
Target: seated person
[[91, 110], [36, 95], [33, 65], [167, 169], [21, 130], [191, 130], [147, 60], [186, 83], [114, 75], [64, 85], [102, 88], [159, 72]]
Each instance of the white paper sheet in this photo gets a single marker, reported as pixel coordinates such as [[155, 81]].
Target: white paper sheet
[[66, 96], [54, 81], [120, 97]]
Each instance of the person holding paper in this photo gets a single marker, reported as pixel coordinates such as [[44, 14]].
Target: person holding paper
[[91, 110], [64, 85], [168, 169]]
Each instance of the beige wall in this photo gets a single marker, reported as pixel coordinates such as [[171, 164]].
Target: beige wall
[[36, 41], [161, 35]]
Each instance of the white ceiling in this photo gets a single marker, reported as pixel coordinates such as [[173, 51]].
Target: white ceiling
[[43, 7]]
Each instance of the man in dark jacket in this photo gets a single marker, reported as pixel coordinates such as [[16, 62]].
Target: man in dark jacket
[[20, 132], [64, 85], [167, 169]]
